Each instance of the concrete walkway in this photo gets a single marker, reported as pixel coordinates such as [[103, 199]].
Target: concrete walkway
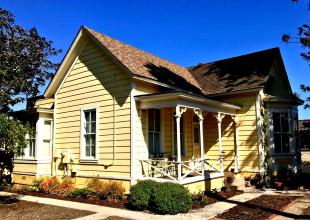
[[210, 211]]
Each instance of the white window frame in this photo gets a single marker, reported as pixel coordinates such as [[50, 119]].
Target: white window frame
[[83, 156], [272, 110], [43, 139], [26, 156], [161, 134]]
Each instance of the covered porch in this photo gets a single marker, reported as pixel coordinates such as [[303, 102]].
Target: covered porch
[[183, 137]]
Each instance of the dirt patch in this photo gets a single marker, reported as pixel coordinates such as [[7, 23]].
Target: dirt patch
[[262, 207], [12, 209]]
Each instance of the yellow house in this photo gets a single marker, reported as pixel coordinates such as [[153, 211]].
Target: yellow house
[[115, 112]]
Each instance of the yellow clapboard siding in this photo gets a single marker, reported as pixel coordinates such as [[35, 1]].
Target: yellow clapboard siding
[[91, 84]]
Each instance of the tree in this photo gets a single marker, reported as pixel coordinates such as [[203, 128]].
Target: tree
[[24, 66], [13, 140], [24, 62], [302, 38]]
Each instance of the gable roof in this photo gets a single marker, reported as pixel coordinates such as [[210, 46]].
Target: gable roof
[[144, 64], [240, 73]]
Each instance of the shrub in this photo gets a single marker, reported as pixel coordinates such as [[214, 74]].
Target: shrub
[[65, 187], [80, 193], [171, 198], [140, 194], [199, 199], [161, 198], [48, 185], [106, 189]]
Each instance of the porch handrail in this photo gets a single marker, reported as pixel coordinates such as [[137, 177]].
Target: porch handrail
[[159, 168]]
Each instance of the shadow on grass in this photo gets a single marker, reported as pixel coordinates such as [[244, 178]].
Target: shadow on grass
[[254, 206]]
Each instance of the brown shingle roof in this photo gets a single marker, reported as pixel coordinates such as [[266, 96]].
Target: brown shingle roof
[[147, 65], [244, 72]]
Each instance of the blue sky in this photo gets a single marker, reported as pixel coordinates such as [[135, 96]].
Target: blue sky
[[184, 32]]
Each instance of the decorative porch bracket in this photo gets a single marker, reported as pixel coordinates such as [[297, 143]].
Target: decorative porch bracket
[[178, 114], [219, 117], [236, 150]]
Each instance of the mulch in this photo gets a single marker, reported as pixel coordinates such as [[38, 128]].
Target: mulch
[[12, 208], [89, 200], [262, 207], [214, 197]]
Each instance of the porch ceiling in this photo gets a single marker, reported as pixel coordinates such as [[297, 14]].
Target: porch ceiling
[[173, 99]]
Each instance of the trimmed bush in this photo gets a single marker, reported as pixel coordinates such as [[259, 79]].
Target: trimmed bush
[[53, 186], [80, 193], [171, 198], [161, 198], [140, 194]]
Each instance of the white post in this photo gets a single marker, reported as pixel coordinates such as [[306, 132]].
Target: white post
[[219, 118], [234, 117], [178, 120], [202, 150]]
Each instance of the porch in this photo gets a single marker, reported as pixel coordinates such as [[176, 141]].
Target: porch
[[183, 138]]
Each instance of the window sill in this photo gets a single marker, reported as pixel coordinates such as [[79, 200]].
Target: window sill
[[86, 160]]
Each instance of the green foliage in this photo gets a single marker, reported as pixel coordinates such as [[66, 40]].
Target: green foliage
[[106, 189], [25, 64], [140, 194], [161, 198], [80, 193], [12, 142], [171, 198], [199, 199]]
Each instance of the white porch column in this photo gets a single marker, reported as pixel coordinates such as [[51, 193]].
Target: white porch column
[[219, 118], [178, 115], [236, 151], [202, 148]]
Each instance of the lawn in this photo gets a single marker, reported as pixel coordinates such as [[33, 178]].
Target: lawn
[[13, 208]]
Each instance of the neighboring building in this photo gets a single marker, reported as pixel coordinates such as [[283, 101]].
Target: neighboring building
[[304, 134], [116, 112]]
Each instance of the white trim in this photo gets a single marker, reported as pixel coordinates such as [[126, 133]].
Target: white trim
[[82, 120], [30, 161], [143, 79], [132, 133], [259, 122]]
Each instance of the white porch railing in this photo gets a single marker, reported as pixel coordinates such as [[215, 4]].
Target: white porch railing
[[165, 169]]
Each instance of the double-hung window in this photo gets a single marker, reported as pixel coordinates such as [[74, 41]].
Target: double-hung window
[[154, 132], [47, 138], [89, 134], [281, 132]]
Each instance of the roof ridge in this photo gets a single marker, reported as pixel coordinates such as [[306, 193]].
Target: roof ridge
[[137, 48]]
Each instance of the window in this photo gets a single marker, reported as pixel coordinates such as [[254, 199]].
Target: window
[[196, 129], [30, 151], [181, 134], [154, 132], [89, 134], [281, 132], [47, 137]]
